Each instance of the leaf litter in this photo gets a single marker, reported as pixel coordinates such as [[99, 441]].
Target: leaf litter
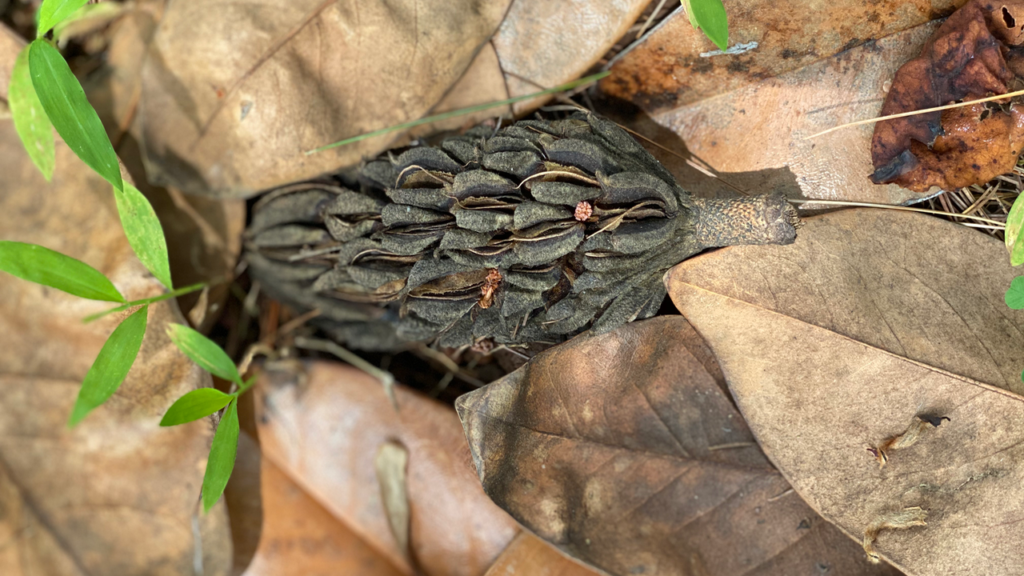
[[860, 326]]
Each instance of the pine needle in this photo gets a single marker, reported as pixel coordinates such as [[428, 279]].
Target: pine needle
[[915, 112]]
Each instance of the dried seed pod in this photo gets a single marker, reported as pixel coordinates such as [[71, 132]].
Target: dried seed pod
[[530, 234]]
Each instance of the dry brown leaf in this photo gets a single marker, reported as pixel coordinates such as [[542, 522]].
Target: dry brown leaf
[[812, 69], [300, 537], [623, 451], [117, 494], [234, 93], [528, 555], [964, 59], [323, 423], [833, 344], [542, 44]]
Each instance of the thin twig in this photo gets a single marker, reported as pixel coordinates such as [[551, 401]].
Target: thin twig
[[896, 207], [386, 379]]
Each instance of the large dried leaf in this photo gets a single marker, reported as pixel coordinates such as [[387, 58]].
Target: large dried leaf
[[234, 93], [117, 494], [835, 343], [797, 71], [299, 536], [624, 451], [323, 424]]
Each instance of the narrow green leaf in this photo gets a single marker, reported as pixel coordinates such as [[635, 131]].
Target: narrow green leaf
[[111, 365], [222, 457], [204, 352], [195, 405], [1014, 230], [1015, 295], [709, 16], [53, 12], [44, 266], [144, 233], [30, 119], [70, 112]]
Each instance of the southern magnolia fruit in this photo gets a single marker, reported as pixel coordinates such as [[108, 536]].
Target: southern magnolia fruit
[[532, 233]]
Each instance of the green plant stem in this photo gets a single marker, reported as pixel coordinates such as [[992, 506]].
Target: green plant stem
[[133, 303], [462, 112]]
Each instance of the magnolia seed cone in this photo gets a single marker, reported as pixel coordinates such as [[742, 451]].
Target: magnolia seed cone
[[528, 234]]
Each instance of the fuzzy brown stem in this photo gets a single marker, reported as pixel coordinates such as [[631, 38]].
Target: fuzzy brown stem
[[765, 219]]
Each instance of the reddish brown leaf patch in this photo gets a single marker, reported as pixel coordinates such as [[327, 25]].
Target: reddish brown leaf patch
[[970, 56]]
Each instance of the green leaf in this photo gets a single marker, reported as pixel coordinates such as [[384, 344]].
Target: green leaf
[[1015, 295], [30, 119], [195, 405], [709, 16], [44, 266], [1014, 230], [111, 365], [144, 233], [204, 352], [222, 457], [54, 11], [70, 112]]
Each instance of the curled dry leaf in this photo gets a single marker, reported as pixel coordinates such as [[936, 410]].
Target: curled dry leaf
[[299, 536], [796, 72], [835, 343], [623, 451], [117, 494], [969, 56], [323, 424]]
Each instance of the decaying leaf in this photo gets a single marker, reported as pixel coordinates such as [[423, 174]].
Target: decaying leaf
[[795, 71], [623, 451], [300, 537], [117, 494], [969, 56], [528, 555], [323, 423], [390, 465], [839, 340]]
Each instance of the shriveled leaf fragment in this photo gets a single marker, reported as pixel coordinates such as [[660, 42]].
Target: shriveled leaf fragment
[[146, 236], [623, 451], [390, 465], [858, 327], [41, 265], [966, 58], [70, 112], [323, 424], [130, 503], [30, 119], [111, 365]]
